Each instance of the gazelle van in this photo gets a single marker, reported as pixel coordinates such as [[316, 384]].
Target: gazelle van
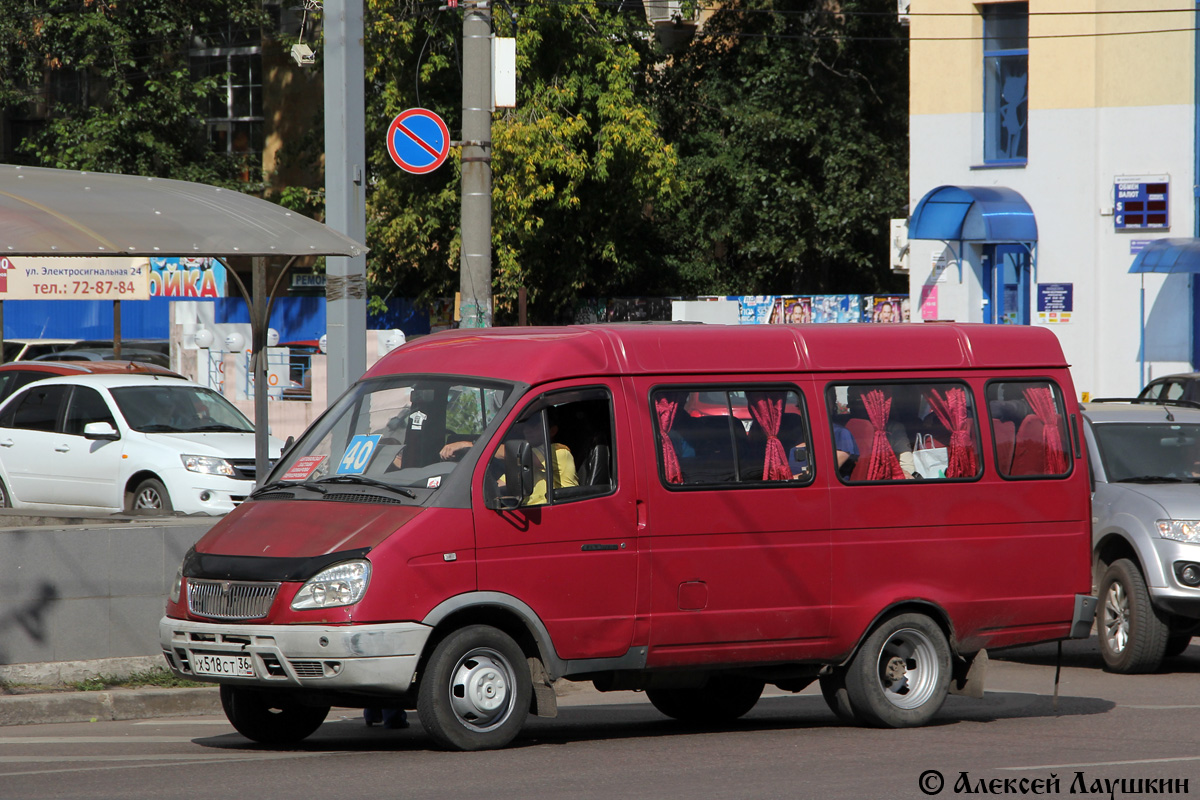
[[695, 511]]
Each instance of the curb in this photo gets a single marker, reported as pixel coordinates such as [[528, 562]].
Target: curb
[[33, 709]]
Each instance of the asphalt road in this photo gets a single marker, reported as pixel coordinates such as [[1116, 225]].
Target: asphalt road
[[1104, 729]]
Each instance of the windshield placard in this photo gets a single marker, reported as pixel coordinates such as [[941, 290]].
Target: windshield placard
[[358, 454]]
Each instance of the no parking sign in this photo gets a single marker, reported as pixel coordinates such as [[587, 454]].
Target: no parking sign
[[418, 140]]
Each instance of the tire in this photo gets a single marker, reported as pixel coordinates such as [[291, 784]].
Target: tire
[[1133, 636], [475, 692], [722, 700], [1176, 644], [5, 500], [150, 497], [269, 717], [901, 675], [833, 689]]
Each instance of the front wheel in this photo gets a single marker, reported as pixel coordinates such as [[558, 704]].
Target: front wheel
[[723, 699], [1133, 637], [901, 675], [150, 497], [268, 717], [475, 691]]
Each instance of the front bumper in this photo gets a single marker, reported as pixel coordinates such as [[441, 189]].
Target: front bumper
[[371, 659]]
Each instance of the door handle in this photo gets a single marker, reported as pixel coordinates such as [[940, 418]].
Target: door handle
[[590, 547], [63, 448], [7, 443]]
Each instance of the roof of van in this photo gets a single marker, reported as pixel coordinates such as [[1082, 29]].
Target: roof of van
[[534, 355]]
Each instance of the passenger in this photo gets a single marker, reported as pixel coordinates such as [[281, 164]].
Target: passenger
[[845, 449]]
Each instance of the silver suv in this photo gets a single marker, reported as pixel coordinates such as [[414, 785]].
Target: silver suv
[[1145, 461]]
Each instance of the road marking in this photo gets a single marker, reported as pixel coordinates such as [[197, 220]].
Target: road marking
[[1155, 708], [96, 739], [1104, 763]]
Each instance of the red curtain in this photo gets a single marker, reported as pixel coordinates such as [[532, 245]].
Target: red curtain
[[883, 464], [1041, 400], [665, 406], [767, 410], [951, 410]]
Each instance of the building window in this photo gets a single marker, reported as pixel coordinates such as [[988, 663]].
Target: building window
[[1005, 83], [234, 116]]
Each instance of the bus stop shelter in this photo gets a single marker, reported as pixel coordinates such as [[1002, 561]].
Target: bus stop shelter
[[53, 212]]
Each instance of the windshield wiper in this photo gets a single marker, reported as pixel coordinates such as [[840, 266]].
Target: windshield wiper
[[270, 487], [219, 427], [1150, 479], [365, 481]]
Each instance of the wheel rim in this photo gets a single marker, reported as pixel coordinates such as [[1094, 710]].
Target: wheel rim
[[1116, 617], [481, 689], [908, 668], [148, 498]]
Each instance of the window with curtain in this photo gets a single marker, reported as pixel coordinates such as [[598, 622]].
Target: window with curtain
[[1005, 82], [730, 436], [1029, 429], [903, 431]]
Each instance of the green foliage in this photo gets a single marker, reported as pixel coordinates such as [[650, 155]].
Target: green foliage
[[151, 677], [577, 165], [114, 80], [791, 121]]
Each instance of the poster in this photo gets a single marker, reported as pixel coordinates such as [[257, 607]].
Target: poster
[[1055, 303], [837, 308], [75, 278], [929, 301], [796, 310], [887, 308], [187, 278], [756, 309]]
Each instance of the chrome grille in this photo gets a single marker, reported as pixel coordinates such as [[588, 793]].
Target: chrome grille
[[230, 599]]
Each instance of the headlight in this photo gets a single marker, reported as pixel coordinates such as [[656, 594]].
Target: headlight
[[209, 465], [177, 586], [340, 585], [1181, 530]]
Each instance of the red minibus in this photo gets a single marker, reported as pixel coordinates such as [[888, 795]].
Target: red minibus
[[696, 511]]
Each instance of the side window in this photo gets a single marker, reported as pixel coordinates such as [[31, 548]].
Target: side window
[[37, 409], [86, 406], [903, 431], [1172, 390], [723, 436], [1029, 428], [578, 424]]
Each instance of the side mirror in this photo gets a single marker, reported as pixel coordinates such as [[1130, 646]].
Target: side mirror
[[100, 430], [287, 445]]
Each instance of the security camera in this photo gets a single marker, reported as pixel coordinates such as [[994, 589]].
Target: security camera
[[303, 55]]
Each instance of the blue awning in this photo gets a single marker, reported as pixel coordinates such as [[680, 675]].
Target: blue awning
[[1168, 255], [973, 214]]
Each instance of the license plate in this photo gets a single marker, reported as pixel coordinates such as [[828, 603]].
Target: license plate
[[217, 664]]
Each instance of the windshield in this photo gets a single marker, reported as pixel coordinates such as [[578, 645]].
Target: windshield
[[1150, 452], [406, 431], [178, 408]]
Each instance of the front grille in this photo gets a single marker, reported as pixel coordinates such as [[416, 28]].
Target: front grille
[[230, 599], [244, 468]]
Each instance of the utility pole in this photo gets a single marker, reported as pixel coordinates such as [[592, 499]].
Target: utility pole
[[475, 270], [345, 194]]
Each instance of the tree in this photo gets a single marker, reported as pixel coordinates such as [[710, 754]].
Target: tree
[[578, 166], [790, 117], [108, 86]]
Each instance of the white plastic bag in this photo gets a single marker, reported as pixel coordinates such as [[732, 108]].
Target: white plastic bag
[[929, 461]]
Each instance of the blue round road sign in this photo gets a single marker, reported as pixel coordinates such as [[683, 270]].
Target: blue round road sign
[[418, 140]]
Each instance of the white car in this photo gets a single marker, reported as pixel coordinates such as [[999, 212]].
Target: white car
[[134, 443]]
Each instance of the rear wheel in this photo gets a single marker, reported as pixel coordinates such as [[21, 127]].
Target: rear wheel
[[723, 699], [150, 497], [1133, 636], [5, 501], [269, 717], [901, 675], [475, 691]]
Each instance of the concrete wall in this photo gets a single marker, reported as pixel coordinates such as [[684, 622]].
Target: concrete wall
[[87, 589]]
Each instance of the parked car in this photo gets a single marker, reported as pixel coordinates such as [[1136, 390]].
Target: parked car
[[1146, 529], [19, 373], [29, 349], [108, 354], [116, 442], [1185, 386]]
